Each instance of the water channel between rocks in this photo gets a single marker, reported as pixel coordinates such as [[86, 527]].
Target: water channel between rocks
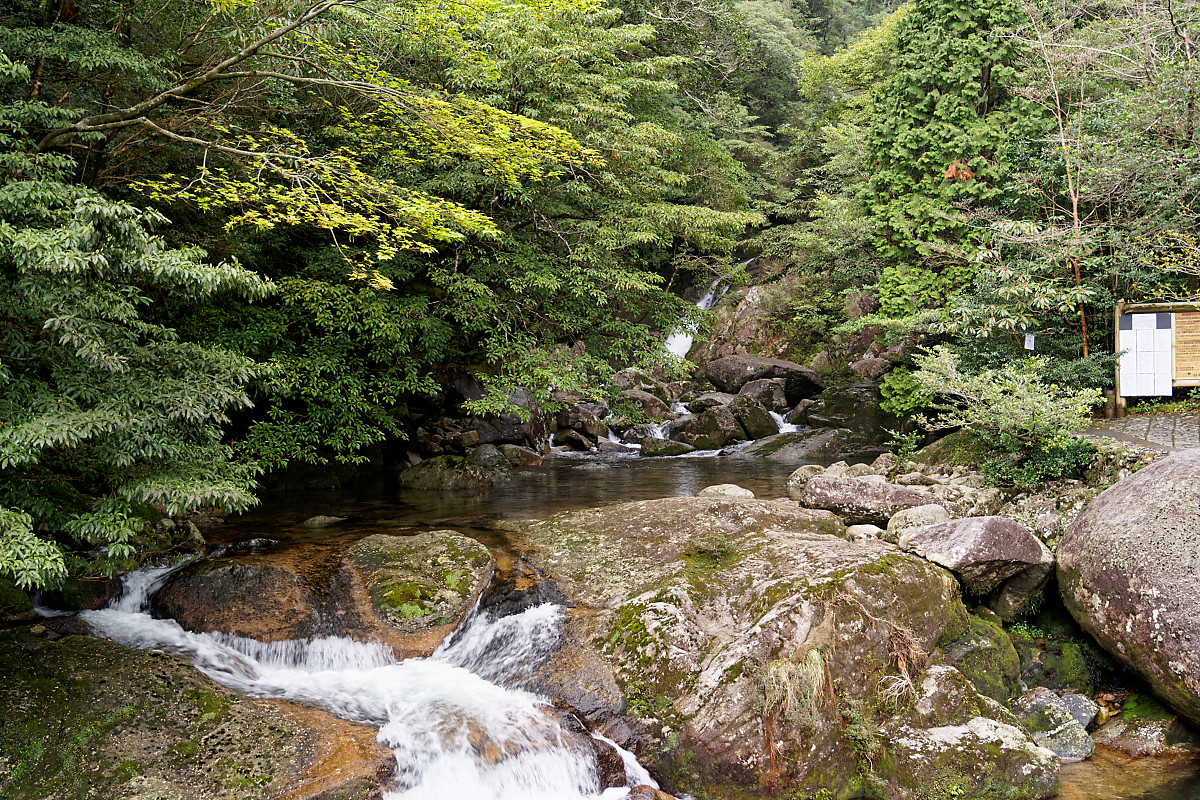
[[439, 714]]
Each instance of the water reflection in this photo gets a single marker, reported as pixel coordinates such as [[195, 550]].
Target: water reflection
[[1113, 775]]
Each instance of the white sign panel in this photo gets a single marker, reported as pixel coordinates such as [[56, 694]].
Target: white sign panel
[[1147, 365]]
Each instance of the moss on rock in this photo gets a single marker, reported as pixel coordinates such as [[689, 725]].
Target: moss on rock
[[87, 718], [423, 581]]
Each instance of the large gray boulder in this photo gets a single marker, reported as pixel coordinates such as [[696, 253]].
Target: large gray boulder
[[730, 374], [854, 407], [981, 551], [714, 428], [650, 406], [726, 622], [709, 400], [771, 392], [1129, 572], [870, 499], [753, 417]]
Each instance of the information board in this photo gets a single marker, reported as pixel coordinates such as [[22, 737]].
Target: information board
[[1187, 346]]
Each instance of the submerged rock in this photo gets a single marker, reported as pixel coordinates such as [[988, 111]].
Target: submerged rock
[[1129, 572], [88, 718], [448, 473]]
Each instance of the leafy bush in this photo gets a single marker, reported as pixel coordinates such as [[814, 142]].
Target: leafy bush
[[1013, 401], [1010, 464], [902, 393]]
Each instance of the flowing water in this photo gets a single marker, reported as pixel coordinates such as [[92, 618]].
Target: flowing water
[[680, 342], [457, 732], [456, 726]]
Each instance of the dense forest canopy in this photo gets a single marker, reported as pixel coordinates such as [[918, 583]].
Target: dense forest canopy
[[243, 234]]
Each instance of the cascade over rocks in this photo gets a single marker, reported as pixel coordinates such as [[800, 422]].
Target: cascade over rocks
[[406, 591], [981, 551], [731, 373], [1129, 572], [726, 622]]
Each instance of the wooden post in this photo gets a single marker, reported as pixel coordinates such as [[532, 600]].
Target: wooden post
[[1120, 399]]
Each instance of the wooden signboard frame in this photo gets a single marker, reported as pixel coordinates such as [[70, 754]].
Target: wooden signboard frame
[[1185, 350]]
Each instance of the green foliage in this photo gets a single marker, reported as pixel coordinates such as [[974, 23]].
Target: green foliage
[[902, 393], [714, 550], [1013, 401], [903, 444], [943, 123], [1012, 462], [104, 411]]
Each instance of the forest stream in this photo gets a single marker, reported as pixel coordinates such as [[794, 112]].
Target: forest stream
[[446, 716]]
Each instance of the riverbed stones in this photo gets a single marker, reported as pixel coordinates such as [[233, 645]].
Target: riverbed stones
[[908, 519], [726, 490], [731, 625], [449, 473], [981, 551], [88, 718], [1129, 572], [731, 373], [421, 584], [1052, 725], [714, 429], [869, 499], [653, 446]]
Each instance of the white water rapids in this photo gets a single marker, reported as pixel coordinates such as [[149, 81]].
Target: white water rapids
[[456, 733]]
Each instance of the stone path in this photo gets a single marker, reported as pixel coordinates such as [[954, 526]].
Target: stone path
[[1167, 432]]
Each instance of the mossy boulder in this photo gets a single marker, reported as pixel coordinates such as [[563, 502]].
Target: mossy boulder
[[754, 418], [714, 428], [450, 473], [15, 604], [88, 718], [421, 584], [987, 658], [754, 645], [653, 446], [1129, 573]]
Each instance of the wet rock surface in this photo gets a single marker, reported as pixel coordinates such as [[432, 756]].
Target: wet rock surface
[[424, 583], [87, 718], [1050, 721], [1129, 572]]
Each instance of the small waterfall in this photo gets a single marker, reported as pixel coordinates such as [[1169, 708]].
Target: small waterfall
[[455, 732], [680, 342], [783, 425]]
